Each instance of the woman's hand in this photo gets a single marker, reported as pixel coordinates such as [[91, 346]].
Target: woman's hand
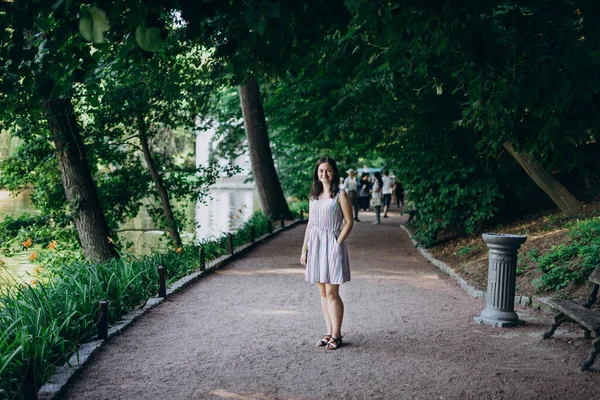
[[303, 256]]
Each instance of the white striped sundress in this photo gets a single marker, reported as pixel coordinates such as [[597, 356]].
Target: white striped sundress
[[326, 261]]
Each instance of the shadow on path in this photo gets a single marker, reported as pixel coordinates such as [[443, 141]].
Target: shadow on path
[[248, 332]]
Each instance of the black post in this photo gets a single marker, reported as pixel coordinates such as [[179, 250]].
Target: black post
[[230, 243], [162, 283], [269, 226], [301, 214], [29, 387], [282, 222], [202, 259], [252, 234], [103, 320]]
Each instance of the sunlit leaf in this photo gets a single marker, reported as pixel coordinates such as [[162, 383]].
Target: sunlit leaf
[[93, 24]]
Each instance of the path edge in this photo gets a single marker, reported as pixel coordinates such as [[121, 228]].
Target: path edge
[[64, 374]]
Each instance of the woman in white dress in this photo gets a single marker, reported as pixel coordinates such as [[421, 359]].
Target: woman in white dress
[[324, 252]]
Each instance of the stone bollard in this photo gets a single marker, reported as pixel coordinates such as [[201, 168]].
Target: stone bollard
[[230, 243], [282, 222], [252, 234], [202, 259], [103, 320], [502, 275], [269, 226], [301, 214], [162, 282]]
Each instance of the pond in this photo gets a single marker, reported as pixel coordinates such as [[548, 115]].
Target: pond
[[230, 204]]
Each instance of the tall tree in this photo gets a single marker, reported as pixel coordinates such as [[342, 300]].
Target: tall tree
[[80, 189], [45, 56], [269, 189]]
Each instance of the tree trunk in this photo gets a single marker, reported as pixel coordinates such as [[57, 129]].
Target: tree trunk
[[157, 179], [80, 189], [267, 183], [567, 203]]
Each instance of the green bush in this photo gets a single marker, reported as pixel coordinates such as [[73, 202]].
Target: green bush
[[452, 200], [572, 262], [41, 229], [297, 206]]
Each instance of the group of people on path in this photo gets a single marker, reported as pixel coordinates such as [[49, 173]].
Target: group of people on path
[[365, 193], [333, 208]]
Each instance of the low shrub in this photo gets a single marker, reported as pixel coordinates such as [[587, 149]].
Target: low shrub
[[571, 262], [297, 206]]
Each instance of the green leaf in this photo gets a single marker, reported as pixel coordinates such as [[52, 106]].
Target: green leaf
[[94, 101], [44, 24], [262, 27], [148, 38], [273, 11], [93, 24]]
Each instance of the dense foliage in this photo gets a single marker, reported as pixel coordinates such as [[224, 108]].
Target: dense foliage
[[436, 90]]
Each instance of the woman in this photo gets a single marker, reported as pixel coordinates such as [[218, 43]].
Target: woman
[[376, 197], [324, 252]]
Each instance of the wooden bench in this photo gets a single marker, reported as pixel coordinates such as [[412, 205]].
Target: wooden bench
[[589, 320]]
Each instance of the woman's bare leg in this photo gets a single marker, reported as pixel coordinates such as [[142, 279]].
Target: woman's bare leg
[[336, 309], [377, 215], [325, 306]]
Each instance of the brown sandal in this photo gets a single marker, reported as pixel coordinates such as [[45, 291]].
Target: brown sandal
[[323, 342], [334, 343]]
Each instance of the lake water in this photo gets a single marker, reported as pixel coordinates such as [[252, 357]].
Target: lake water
[[231, 203]]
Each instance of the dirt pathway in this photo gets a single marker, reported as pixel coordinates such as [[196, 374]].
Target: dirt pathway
[[248, 332]]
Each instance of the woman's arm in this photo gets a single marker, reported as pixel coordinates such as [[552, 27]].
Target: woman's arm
[[347, 211], [305, 244]]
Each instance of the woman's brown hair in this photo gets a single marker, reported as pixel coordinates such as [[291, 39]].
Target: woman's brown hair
[[317, 186]]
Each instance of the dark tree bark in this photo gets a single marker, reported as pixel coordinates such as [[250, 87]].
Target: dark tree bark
[[267, 182], [158, 182], [567, 203], [80, 189]]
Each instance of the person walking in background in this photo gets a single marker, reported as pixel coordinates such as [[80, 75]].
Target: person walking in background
[[386, 190], [399, 191], [351, 188], [324, 252], [376, 197], [364, 192]]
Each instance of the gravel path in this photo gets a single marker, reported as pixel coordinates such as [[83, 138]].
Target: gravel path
[[248, 332]]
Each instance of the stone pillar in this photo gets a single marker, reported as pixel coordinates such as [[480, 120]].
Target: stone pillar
[[502, 275]]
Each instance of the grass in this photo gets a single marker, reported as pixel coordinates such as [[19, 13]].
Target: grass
[[45, 322]]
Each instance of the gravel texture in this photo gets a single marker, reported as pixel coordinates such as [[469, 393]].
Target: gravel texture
[[248, 331]]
